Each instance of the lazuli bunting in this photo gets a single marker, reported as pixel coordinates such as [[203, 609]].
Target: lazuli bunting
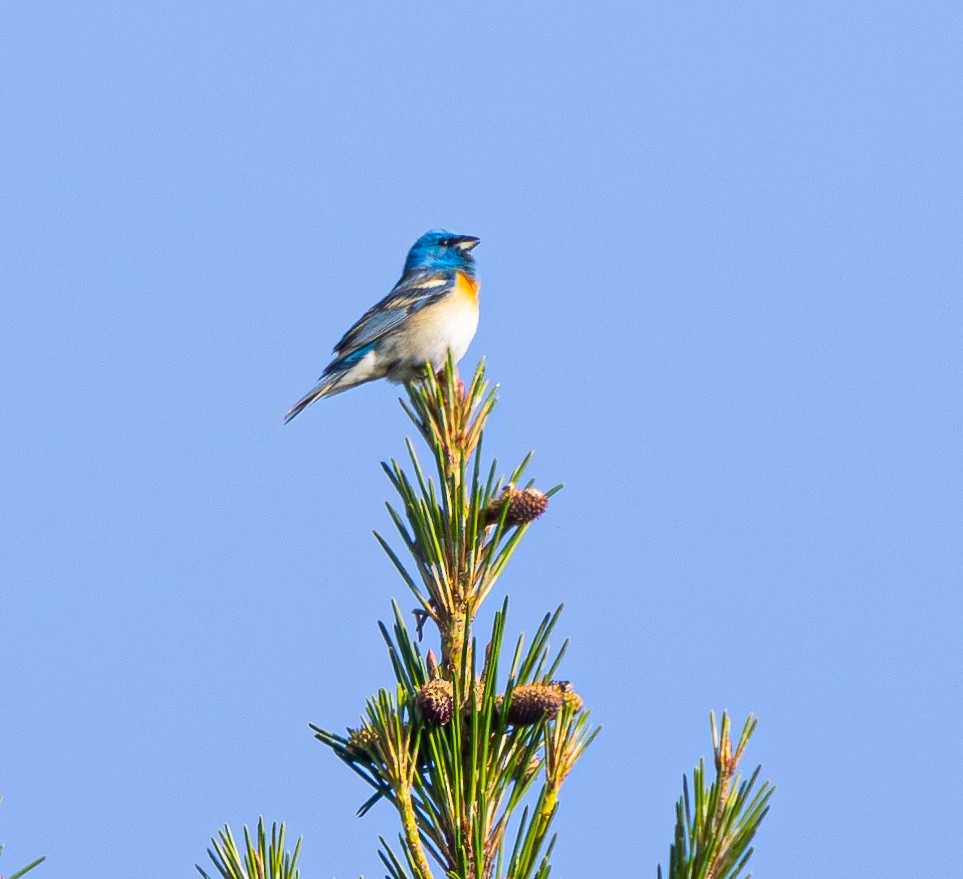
[[433, 308]]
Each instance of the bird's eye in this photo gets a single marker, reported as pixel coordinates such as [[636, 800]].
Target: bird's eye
[[445, 242]]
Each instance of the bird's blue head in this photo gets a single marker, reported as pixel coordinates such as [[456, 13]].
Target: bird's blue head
[[442, 249]]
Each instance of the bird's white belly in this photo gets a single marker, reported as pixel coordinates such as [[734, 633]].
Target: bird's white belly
[[430, 333]]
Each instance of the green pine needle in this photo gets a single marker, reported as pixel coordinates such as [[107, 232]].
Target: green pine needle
[[259, 858], [24, 870], [714, 830]]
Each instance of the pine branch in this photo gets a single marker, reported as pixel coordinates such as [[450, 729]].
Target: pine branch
[[459, 760], [464, 753], [713, 833], [258, 858], [459, 530], [472, 748]]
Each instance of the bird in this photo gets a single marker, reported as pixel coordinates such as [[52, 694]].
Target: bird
[[432, 309]]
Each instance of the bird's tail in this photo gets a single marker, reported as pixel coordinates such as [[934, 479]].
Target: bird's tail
[[329, 384], [340, 375]]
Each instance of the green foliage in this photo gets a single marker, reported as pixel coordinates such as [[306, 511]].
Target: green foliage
[[457, 552], [713, 832], [24, 870], [470, 781], [259, 858], [472, 750], [467, 779]]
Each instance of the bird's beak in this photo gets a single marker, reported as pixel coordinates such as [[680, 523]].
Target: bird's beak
[[465, 243]]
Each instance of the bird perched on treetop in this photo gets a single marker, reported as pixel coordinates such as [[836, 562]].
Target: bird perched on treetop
[[432, 308]]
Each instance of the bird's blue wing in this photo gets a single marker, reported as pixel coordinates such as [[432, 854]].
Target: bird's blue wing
[[414, 291]]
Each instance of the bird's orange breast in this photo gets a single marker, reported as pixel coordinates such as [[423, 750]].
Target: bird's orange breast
[[466, 286]]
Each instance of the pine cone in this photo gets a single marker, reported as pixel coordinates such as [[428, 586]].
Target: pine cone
[[435, 701], [533, 702], [524, 505]]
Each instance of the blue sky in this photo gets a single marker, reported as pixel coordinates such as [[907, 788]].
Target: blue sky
[[721, 276]]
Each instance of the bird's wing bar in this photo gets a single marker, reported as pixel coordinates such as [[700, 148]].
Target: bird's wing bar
[[415, 290]]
